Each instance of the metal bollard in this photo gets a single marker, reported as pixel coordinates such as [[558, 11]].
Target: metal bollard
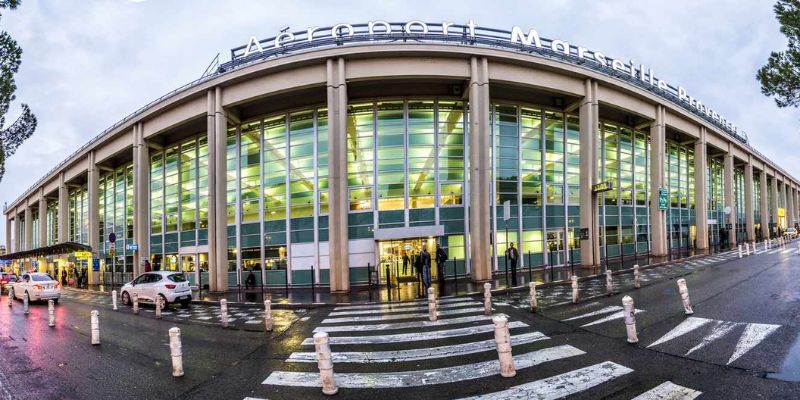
[[114, 300], [25, 304], [740, 251], [487, 298], [636, 275], [325, 363], [95, 328], [158, 307], [687, 304], [432, 304], [135, 303], [51, 313], [609, 283], [268, 315], [176, 351], [503, 340], [534, 304], [575, 289], [223, 312], [630, 318]]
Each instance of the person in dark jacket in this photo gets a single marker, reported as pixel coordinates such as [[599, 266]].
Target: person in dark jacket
[[441, 259], [512, 255], [250, 281], [425, 262]]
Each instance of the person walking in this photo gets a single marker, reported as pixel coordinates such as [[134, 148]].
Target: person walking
[[441, 259], [512, 255], [250, 281], [405, 263], [425, 262]]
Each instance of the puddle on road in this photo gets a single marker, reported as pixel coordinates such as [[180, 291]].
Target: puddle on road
[[790, 369]]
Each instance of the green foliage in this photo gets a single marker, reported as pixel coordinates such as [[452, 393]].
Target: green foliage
[[781, 76], [13, 135]]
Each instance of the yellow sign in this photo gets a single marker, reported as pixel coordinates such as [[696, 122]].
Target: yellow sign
[[83, 255], [781, 212]]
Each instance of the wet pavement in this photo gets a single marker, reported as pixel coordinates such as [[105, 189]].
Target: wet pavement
[[743, 333]]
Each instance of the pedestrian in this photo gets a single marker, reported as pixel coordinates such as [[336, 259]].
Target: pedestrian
[[405, 263], [441, 259], [512, 255], [147, 266], [250, 281], [63, 277], [425, 262], [415, 261]]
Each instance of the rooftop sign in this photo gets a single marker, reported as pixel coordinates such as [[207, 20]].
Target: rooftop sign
[[516, 39]]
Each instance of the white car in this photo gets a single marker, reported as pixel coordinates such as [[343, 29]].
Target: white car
[[36, 286], [170, 286]]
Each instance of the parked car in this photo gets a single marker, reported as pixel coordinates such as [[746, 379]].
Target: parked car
[[5, 279], [36, 286], [170, 286], [790, 233]]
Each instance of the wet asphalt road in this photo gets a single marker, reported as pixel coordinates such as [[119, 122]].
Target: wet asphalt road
[[731, 300]]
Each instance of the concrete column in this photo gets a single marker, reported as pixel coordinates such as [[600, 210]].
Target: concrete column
[[588, 113], [658, 218], [701, 192], [791, 206], [18, 240], [764, 211], [9, 242], [211, 137], [479, 170], [774, 216], [28, 227], [42, 219], [93, 189], [749, 217], [220, 204], [63, 210], [141, 195], [785, 201], [339, 200], [730, 201]]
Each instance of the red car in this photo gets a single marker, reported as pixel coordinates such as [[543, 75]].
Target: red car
[[6, 278]]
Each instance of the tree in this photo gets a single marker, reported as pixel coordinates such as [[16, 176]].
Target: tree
[[13, 135]]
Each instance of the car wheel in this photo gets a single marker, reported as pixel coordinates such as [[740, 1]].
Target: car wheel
[[55, 301], [126, 298], [185, 303], [164, 302]]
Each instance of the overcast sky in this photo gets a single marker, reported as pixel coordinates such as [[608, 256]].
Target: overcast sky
[[88, 64]]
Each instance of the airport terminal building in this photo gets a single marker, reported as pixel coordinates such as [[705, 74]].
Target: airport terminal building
[[317, 155]]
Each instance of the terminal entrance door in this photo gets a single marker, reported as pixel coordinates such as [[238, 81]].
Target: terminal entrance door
[[398, 258], [555, 247]]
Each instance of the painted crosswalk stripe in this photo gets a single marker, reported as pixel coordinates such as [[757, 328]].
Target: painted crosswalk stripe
[[753, 335], [402, 325], [720, 329], [669, 391], [601, 311], [361, 357], [683, 328], [414, 303], [787, 251], [556, 387], [424, 377], [616, 315], [390, 317], [415, 336], [423, 308]]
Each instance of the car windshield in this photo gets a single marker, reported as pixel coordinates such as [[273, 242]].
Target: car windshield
[[41, 278], [177, 278]]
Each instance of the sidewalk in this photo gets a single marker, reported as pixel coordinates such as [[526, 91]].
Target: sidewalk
[[459, 286]]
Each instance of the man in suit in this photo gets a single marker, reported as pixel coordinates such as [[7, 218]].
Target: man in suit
[[512, 255]]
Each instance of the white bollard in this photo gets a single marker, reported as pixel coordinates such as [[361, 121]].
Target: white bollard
[[95, 328], [176, 351], [25, 304], [746, 248], [158, 307], [636, 275], [609, 283], [798, 247], [503, 340], [51, 313], [534, 303], [487, 298], [432, 304], [114, 300], [268, 315], [135, 303], [687, 304], [11, 300], [765, 245], [575, 289], [630, 318], [325, 363], [223, 312], [740, 251]]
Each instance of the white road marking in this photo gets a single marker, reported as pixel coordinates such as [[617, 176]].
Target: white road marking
[[402, 325], [753, 335], [556, 387], [683, 328], [720, 329], [416, 354], [669, 391], [787, 251], [402, 310], [605, 310], [616, 315], [414, 303], [400, 316], [424, 377], [414, 337]]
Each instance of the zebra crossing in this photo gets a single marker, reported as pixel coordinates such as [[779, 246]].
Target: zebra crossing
[[371, 343]]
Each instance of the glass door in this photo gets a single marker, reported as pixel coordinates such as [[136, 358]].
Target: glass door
[[189, 268], [555, 247]]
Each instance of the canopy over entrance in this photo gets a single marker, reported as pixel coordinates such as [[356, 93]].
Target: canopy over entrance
[[61, 248]]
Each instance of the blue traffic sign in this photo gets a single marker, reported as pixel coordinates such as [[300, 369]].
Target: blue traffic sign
[[112, 237], [132, 247]]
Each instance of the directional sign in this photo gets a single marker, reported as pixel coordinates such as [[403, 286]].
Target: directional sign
[[506, 210], [83, 255], [132, 247], [602, 187], [95, 264], [662, 198]]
